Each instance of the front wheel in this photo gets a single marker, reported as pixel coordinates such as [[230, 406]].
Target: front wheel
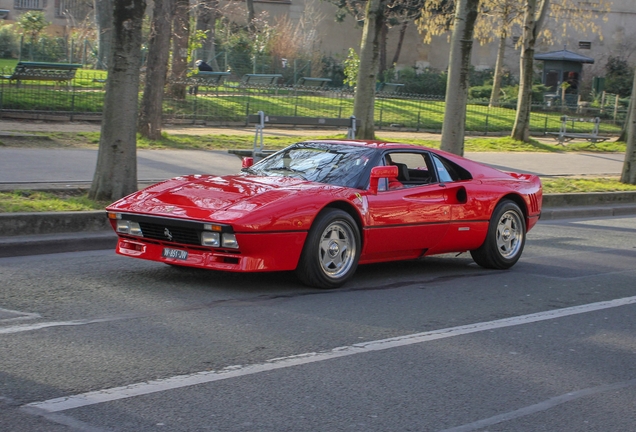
[[331, 252], [505, 239]]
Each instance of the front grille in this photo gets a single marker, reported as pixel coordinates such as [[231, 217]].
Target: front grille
[[163, 232]]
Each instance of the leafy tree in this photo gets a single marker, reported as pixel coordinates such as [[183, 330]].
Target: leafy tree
[[619, 76], [351, 68], [116, 171], [9, 41], [32, 23]]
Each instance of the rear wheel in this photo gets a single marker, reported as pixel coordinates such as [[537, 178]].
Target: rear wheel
[[505, 239], [331, 252]]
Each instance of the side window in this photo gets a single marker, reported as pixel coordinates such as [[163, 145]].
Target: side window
[[449, 171], [414, 169]]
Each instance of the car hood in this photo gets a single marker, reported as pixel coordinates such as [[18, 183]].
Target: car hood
[[213, 197]]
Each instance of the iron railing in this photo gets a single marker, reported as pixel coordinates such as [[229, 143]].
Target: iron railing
[[230, 103]]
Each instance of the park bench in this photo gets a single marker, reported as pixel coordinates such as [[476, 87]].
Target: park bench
[[205, 79], [42, 71], [313, 82], [260, 120], [564, 136], [389, 88], [250, 80]]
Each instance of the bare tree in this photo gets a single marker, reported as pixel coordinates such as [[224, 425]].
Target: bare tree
[[458, 77], [157, 61], [363, 104], [629, 166], [534, 15], [116, 171], [180, 38]]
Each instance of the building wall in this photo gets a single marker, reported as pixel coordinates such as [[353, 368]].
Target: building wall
[[62, 14], [618, 38]]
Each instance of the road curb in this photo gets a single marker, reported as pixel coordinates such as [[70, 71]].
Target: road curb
[[56, 243]]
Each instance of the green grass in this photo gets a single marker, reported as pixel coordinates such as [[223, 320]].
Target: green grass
[[35, 201], [228, 141], [583, 185]]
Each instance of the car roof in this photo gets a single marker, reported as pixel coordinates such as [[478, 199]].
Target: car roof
[[372, 144]]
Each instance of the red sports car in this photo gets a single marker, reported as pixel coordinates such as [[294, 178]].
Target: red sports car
[[323, 207]]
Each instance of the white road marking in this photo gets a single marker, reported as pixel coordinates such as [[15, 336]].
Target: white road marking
[[39, 326], [541, 406], [20, 315], [154, 386]]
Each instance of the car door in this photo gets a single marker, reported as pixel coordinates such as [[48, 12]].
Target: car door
[[407, 216], [468, 225]]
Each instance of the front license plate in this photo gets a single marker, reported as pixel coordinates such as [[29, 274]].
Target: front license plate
[[175, 253]]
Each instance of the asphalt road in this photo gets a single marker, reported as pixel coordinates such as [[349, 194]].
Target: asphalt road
[[96, 342]]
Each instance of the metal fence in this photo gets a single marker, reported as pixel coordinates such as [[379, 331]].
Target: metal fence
[[230, 103]]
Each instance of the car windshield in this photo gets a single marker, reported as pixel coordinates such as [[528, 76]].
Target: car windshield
[[340, 165]]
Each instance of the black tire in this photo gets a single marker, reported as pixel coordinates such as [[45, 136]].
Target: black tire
[[505, 239], [331, 252]]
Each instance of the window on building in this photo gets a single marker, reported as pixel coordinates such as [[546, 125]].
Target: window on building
[[585, 45], [29, 4], [77, 10]]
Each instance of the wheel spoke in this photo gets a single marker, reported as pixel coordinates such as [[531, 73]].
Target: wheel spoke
[[508, 235], [336, 250]]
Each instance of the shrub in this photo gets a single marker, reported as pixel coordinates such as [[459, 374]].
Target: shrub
[[9, 42], [427, 82]]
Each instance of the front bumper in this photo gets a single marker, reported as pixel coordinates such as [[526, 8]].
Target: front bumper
[[259, 252]]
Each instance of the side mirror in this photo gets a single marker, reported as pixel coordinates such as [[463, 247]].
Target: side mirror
[[390, 171], [247, 162]]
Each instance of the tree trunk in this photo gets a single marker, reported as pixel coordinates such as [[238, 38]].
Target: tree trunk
[[534, 15], [251, 14], [363, 105], [496, 83], [629, 166], [458, 77], [116, 171], [180, 37], [104, 20], [384, 35], [206, 21], [398, 50], [156, 70]]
